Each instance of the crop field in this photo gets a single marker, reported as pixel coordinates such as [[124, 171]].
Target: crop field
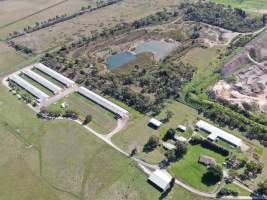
[[68, 31], [29, 12], [102, 120], [252, 5], [59, 160], [194, 170]]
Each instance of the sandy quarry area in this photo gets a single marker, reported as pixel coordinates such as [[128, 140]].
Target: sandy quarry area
[[248, 89]]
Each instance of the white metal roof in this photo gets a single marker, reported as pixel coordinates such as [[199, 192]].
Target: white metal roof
[[102, 101], [36, 77], [161, 178], [181, 127], [216, 132], [180, 138], [168, 146], [155, 122], [29, 87], [66, 81]]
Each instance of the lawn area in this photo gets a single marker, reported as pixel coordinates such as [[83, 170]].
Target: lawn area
[[103, 120], [189, 170], [66, 162], [138, 132], [252, 5], [236, 188]]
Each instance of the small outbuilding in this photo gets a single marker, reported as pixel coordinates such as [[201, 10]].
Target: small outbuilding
[[181, 128], [154, 123], [168, 146], [180, 138], [161, 178], [206, 160]]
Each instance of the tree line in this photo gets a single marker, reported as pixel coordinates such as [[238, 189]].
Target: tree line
[[223, 16]]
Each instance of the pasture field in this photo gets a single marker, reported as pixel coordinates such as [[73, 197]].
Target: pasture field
[[10, 60], [29, 12], [194, 170], [138, 132], [250, 5], [58, 160], [102, 120], [73, 29], [205, 61]]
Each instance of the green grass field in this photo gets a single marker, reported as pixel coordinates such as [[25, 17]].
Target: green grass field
[[189, 170], [66, 162], [238, 189], [253, 5]]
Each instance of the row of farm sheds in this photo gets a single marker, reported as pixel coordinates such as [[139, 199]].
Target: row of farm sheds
[[41, 96]]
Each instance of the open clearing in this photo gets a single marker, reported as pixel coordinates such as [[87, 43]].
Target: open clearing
[[65, 161], [73, 29], [251, 5], [9, 59], [29, 12]]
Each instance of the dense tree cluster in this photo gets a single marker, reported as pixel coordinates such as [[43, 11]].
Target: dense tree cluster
[[213, 175], [157, 83], [222, 16], [178, 152]]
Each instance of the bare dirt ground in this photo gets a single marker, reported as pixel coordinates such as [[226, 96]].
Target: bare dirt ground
[[249, 70]]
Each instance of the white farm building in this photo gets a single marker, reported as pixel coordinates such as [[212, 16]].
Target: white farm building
[[29, 87], [102, 101], [161, 179], [44, 82], [218, 133], [59, 77]]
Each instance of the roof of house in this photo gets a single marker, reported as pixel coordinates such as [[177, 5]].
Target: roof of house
[[155, 122], [216, 132], [207, 160], [29, 87], [161, 178], [66, 81], [168, 146], [102, 101]]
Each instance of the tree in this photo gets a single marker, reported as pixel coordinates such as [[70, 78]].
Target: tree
[[181, 149], [88, 119], [133, 152], [151, 144], [253, 168], [169, 135], [214, 174], [263, 187], [171, 155]]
